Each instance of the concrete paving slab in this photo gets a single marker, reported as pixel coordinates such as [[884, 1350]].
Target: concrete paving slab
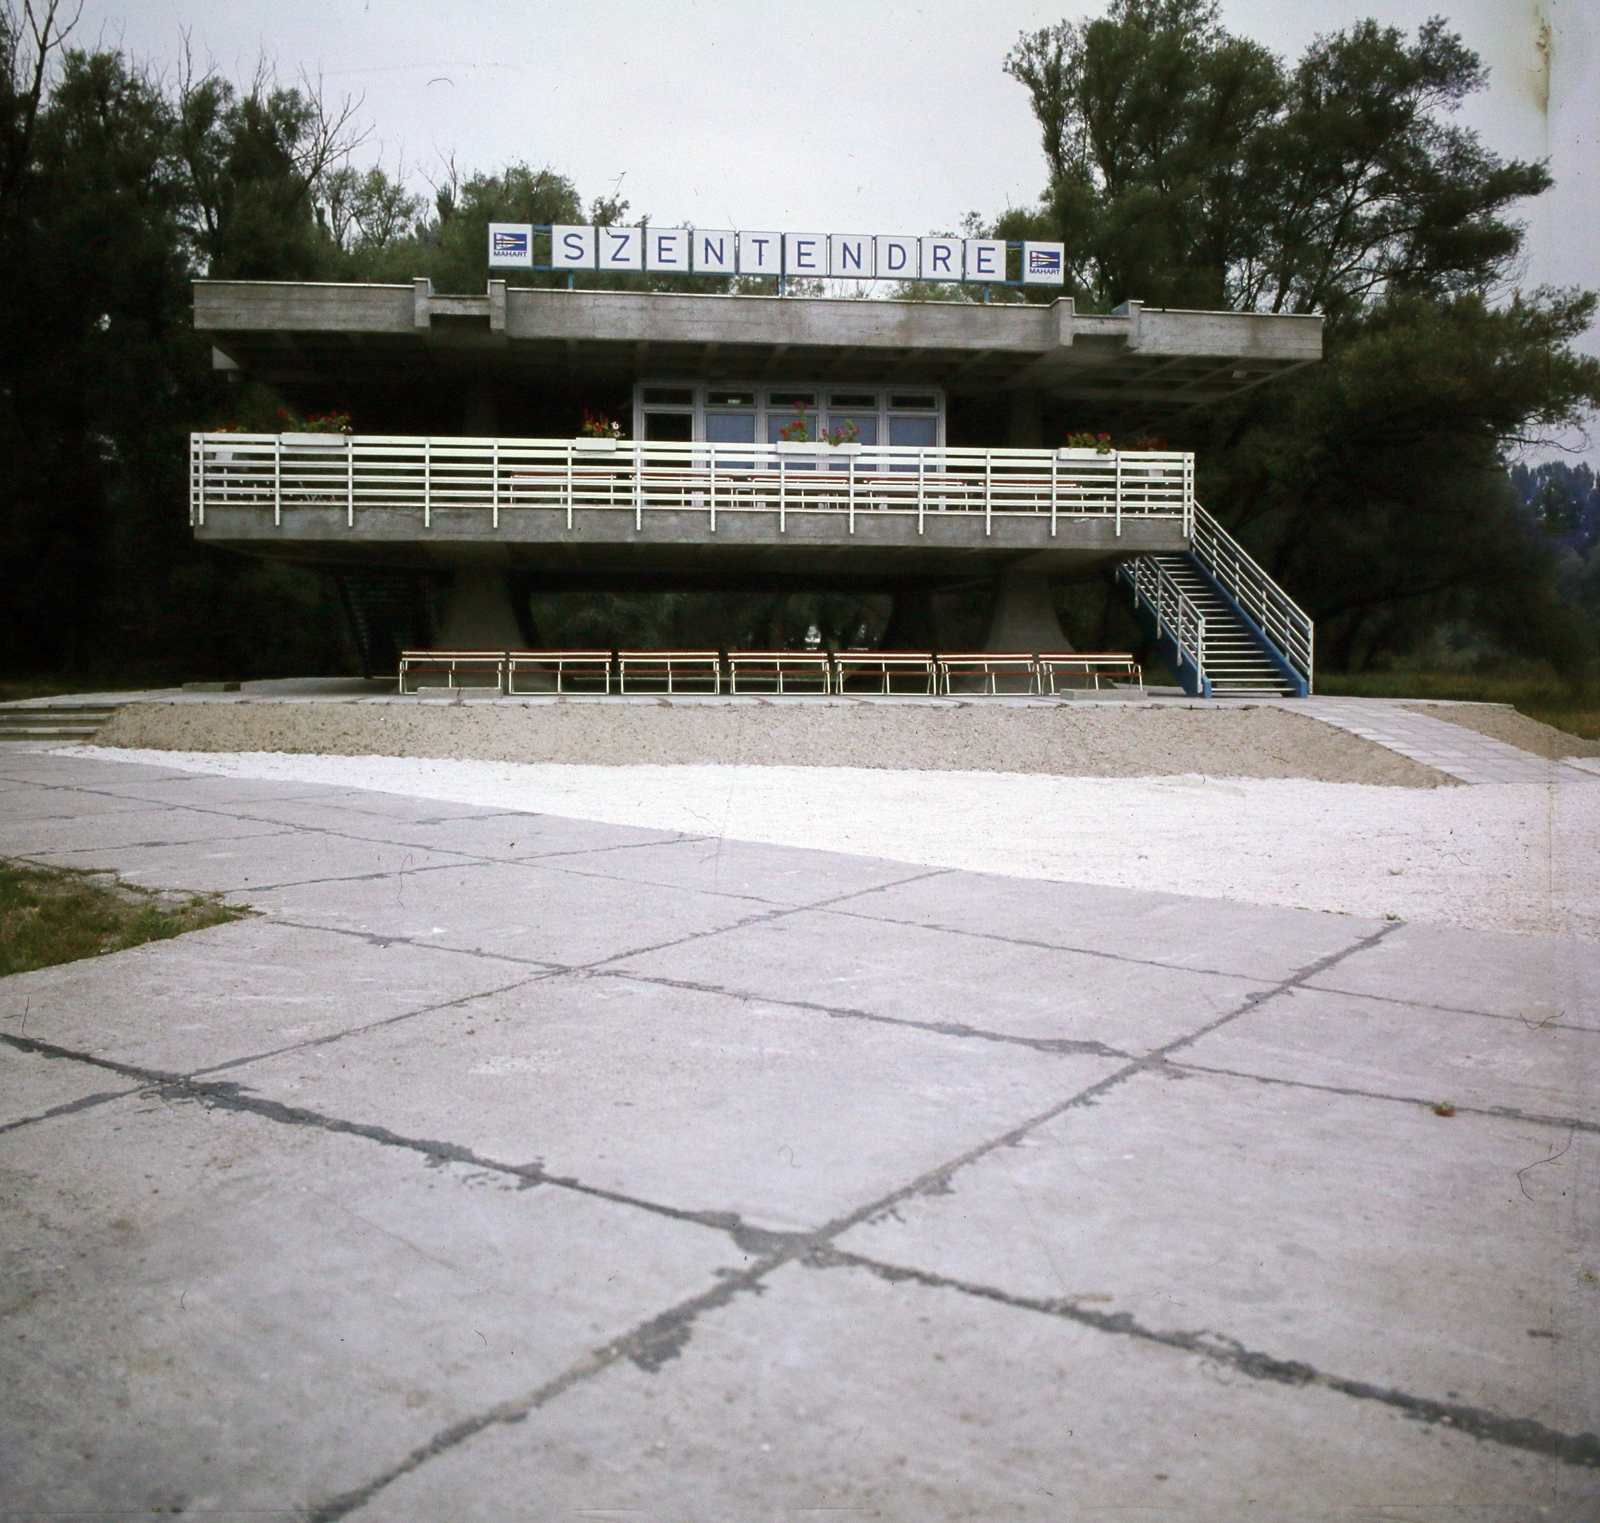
[[1435, 1277], [1527, 978], [1250, 940], [500, 835], [945, 980], [1382, 1241], [521, 910], [836, 1394], [264, 869], [22, 803], [767, 874], [233, 1316], [1460, 753], [698, 1101], [1379, 1047], [236, 991], [59, 835], [33, 1085]]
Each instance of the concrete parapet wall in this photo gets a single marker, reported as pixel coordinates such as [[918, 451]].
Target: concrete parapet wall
[[1070, 739]]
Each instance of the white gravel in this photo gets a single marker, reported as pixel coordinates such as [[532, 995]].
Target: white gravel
[[1508, 857]]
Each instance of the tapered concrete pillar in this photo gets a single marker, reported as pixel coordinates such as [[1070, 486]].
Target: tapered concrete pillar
[[910, 625], [1024, 617], [479, 613]]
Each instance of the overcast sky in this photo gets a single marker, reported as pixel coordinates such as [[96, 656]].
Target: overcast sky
[[829, 116]]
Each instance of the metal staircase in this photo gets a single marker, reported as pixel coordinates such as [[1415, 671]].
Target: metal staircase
[[1221, 623]]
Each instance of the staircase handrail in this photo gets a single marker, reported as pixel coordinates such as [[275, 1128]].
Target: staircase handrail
[[1175, 612], [1275, 613]]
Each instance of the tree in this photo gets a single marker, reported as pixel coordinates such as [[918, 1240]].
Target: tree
[[1191, 168]]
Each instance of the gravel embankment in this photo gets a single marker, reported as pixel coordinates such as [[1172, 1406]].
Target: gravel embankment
[[1065, 741]]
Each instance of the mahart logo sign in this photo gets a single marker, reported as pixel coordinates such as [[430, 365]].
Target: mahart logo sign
[[839, 256], [510, 246]]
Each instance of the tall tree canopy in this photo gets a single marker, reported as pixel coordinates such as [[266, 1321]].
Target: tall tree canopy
[[118, 185], [1192, 168]]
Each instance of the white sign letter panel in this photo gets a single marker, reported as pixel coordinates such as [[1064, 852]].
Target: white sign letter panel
[[510, 246], [897, 258], [1044, 264], [760, 254], [850, 257], [805, 254], [941, 259], [572, 248], [621, 248], [986, 259], [666, 248], [714, 253]]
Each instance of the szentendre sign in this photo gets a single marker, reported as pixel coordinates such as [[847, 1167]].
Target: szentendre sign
[[846, 256]]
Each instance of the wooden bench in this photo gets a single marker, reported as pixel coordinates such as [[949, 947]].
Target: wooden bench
[[567, 667], [780, 670], [673, 667], [454, 664]]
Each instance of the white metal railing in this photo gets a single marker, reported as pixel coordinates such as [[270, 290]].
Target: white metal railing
[[353, 476], [1175, 612], [1275, 613]]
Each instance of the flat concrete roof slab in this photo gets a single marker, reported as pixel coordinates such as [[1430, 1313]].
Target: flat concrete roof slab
[[1137, 358]]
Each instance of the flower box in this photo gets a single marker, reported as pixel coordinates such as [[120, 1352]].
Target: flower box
[[314, 441], [596, 446]]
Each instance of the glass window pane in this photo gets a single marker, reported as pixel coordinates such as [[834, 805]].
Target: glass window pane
[[730, 399], [669, 427], [914, 432], [791, 399], [853, 399], [913, 402], [730, 428], [866, 425], [668, 396], [778, 421]]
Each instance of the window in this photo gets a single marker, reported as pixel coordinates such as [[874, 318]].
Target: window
[[744, 413], [915, 433], [669, 427], [731, 427]]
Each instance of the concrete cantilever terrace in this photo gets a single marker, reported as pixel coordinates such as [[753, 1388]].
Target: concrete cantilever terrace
[[446, 390]]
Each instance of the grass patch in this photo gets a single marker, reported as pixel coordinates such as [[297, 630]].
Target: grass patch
[[50, 915], [1536, 694]]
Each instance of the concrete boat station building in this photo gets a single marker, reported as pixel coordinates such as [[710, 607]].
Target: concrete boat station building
[[919, 462]]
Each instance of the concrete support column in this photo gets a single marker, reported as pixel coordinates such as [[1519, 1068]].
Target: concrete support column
[[910, 625], [1025, 420], [1024, 617], [479, 613]]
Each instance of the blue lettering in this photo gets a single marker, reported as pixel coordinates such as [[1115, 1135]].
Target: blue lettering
[[805, 253], [898, 254], [574, 245], [720, 257], [849, 255], [941, 258]]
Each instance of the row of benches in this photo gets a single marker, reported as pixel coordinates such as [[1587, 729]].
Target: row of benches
[[757, 671]]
